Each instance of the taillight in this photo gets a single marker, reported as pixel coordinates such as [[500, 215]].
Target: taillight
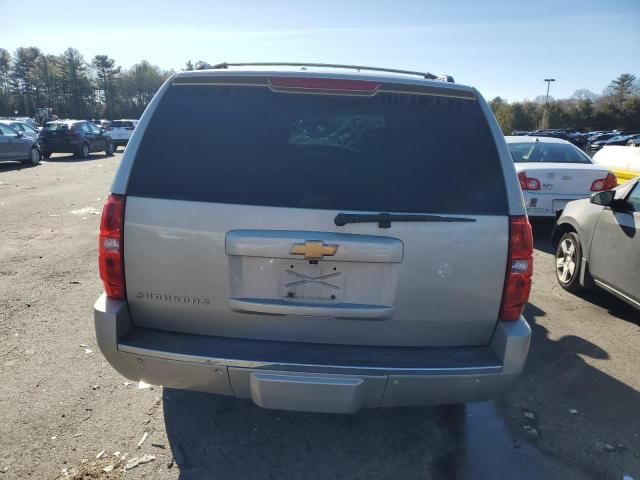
[[527, 183], [517, 285], [110, 248], [607, 183]]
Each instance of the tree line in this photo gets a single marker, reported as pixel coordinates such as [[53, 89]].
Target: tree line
[[76, 88], [618, 107], [73, 87]]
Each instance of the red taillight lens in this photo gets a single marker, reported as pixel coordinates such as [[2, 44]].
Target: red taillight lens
[[607, 183], [323, 84], [527, 183], [110, 248], [517, 285]]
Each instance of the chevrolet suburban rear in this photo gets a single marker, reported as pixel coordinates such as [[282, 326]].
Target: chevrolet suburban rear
[[316, 239]]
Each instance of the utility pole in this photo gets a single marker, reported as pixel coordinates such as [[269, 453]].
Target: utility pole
[[545, 120]]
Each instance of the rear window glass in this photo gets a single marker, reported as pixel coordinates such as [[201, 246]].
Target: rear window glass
[[52, 127], [389, 152], [120, 124], [547, 152]]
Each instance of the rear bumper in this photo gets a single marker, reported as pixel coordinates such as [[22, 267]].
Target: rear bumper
[[311, 377], [541, 204], [60, 147]]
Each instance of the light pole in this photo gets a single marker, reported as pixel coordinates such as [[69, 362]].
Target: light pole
[[546, 102]]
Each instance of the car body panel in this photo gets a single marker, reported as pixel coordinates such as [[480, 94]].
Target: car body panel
[[614, 256], [610, 244], [13, 146], [420, 284]]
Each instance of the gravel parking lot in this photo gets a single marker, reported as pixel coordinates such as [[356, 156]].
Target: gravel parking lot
[[574, 414]]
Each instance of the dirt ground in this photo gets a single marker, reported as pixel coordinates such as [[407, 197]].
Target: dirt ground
[[574, 414]]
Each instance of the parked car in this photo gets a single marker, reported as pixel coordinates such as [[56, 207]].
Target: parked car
[[601, 136], [597, 243], [16, 146], [294, 242], [25, 128], [634, 142], [621, 139], [74, 136], [593, 133], [27, 120], [553, 172], [597, 142], [101, 123], [121, 131], [570, 136]]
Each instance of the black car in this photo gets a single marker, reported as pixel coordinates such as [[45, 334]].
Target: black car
[[570, 136], [621, 139], [74, 136], [596, 142]]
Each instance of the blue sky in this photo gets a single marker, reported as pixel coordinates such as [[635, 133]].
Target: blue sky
[[502, 48]]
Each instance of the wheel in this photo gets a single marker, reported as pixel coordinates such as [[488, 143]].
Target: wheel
[[110, 149], [84, 151], [46, 154], [568, 262], [34, 157]]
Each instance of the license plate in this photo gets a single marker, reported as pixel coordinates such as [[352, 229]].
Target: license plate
[[300, 280]]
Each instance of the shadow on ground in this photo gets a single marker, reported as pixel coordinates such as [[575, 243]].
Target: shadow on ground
[[73, 159], [216, 437], [9, 166], [557, 380], [542, 229]]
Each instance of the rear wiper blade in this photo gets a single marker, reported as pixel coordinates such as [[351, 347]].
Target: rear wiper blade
[[384, 219]]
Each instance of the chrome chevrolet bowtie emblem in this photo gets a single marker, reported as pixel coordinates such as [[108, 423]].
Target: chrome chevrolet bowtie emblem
[[314, 250]]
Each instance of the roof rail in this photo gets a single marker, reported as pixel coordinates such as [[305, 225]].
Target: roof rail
[[427, 75]]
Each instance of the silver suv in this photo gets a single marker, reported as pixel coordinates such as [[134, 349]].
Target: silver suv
[[317, 239]]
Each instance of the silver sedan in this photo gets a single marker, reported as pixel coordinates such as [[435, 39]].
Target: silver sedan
[[597, 243]]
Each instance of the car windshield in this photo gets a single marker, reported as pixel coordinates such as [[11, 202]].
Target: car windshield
[[546, 152]]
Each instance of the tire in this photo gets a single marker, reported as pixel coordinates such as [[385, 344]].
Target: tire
[[84, 151], [34, 157], [110, 149], [46, 154], [569, 262]]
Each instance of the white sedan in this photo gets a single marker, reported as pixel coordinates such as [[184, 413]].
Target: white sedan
[[553, 172]]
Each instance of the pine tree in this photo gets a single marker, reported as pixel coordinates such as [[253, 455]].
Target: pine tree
[[107, 75]]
